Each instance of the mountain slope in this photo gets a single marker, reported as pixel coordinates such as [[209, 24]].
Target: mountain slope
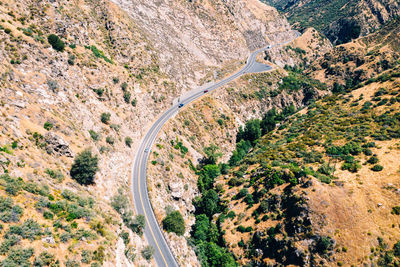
[[323, 188], [320, 189], [77, 75], [194, 37], [339, 20]]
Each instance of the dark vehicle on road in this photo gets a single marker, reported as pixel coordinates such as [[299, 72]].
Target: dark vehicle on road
[[180, 105], [205, 91]]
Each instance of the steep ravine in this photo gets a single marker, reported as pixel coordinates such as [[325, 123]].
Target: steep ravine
[[211, 120]]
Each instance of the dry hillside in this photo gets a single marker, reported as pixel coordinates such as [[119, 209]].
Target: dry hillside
[[110, 71]]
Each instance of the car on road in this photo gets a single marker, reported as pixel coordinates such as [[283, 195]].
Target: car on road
[[146, 150], [180, 105], [205, 91]]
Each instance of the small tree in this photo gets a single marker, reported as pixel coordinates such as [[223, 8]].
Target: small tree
[[105, 117], [84, 168], [174, 222], [137, 224], [128, 141], [56, 42], [147, 252], [127, 96], [212, 154]]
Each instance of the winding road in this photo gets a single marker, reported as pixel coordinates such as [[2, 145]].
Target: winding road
[[153, 233]]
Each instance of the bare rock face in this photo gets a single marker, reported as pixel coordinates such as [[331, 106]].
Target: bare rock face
[[197, 36], [49, 240], [176, 188], [56, 145]]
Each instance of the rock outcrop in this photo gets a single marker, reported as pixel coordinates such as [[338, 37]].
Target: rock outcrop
[[55, 144]]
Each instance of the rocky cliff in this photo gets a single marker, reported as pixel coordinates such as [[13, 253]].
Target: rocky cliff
[[196, 37]]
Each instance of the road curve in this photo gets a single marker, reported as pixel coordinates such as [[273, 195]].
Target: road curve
[[153, 233]]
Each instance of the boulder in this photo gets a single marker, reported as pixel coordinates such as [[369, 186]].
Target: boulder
[[176, 188], [56, 145], [49, 240]]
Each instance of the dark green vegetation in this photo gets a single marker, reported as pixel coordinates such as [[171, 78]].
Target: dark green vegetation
[[98, 53], [207, 235], [174, 222], [56, 42], [84, 168], [147, 252], [254, 129], [105, 118]]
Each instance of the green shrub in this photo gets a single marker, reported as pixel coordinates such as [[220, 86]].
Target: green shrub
[[264, 206], [45, 259], [120, 202], [130, 253], [29, 229], [115, 127], [95, 136], [134, 102], [351, 167], [174, 222], [251, 132], [147, 252], [396, 210], [377, 168], [84, 168], [98, 53], [110, 140], [8, 243], [53, 85], [18, 257], [65, 237], [71, 59], [127, 97], [265, 218], [137, 224], [326, 169], [242, 193], [243, 229], [373, 160], [56, 42], [125, 237], [105, 117], [48, 215], [86, 256], [396, 249], [323, 245], [72, 263], [99, 91], [124, 86], [231, 214], [128, 141], [48, 125], [57, 174], [367, 152]]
